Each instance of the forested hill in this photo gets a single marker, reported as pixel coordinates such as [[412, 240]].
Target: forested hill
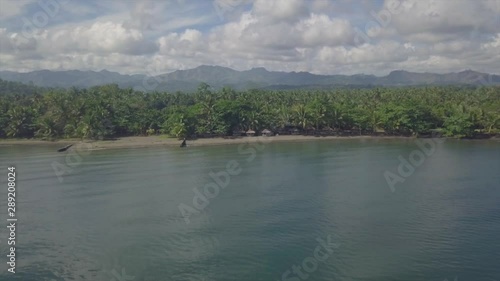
[[256, 78], [108, 111]]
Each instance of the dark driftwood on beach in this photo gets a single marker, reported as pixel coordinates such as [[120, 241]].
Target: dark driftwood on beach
[[183, 144], [64, 148]]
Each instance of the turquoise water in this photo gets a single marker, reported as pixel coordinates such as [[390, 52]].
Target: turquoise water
[[115, 215]]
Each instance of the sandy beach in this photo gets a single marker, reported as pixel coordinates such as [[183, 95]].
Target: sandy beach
[[152, 141]]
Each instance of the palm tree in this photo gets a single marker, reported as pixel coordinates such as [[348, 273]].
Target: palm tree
[[47, 128], [284, 117], [301, 116], [317, 112], [20, 124]]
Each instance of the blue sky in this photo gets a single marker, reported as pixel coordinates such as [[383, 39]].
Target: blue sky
[[320, 36]]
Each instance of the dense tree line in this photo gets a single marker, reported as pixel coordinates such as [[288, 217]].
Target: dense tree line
[[108, 111], [12, 87]]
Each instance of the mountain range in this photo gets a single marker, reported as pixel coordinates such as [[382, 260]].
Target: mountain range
[[255, 78]]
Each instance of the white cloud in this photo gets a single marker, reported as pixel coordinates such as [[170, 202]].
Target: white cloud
[[12, 43], [188, 44], [280, 10], [320, 30], [494, 43], [433, 20], [12, 8], [102, 38]]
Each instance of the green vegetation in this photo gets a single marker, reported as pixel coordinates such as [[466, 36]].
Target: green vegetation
[[108, 111], [11, 87]]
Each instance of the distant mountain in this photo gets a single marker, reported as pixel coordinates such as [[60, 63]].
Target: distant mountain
[[467, 77], [256, 78]]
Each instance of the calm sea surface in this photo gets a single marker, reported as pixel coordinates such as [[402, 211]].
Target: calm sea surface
[[116, 215]]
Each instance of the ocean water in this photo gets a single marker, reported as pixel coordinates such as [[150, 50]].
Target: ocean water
[[316, 210]]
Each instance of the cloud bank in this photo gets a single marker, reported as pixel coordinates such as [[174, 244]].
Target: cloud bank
[[319, 36]]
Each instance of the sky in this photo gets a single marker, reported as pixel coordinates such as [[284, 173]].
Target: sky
[[153, 37]]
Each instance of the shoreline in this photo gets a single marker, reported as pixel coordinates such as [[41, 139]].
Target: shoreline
[[153, 141]]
